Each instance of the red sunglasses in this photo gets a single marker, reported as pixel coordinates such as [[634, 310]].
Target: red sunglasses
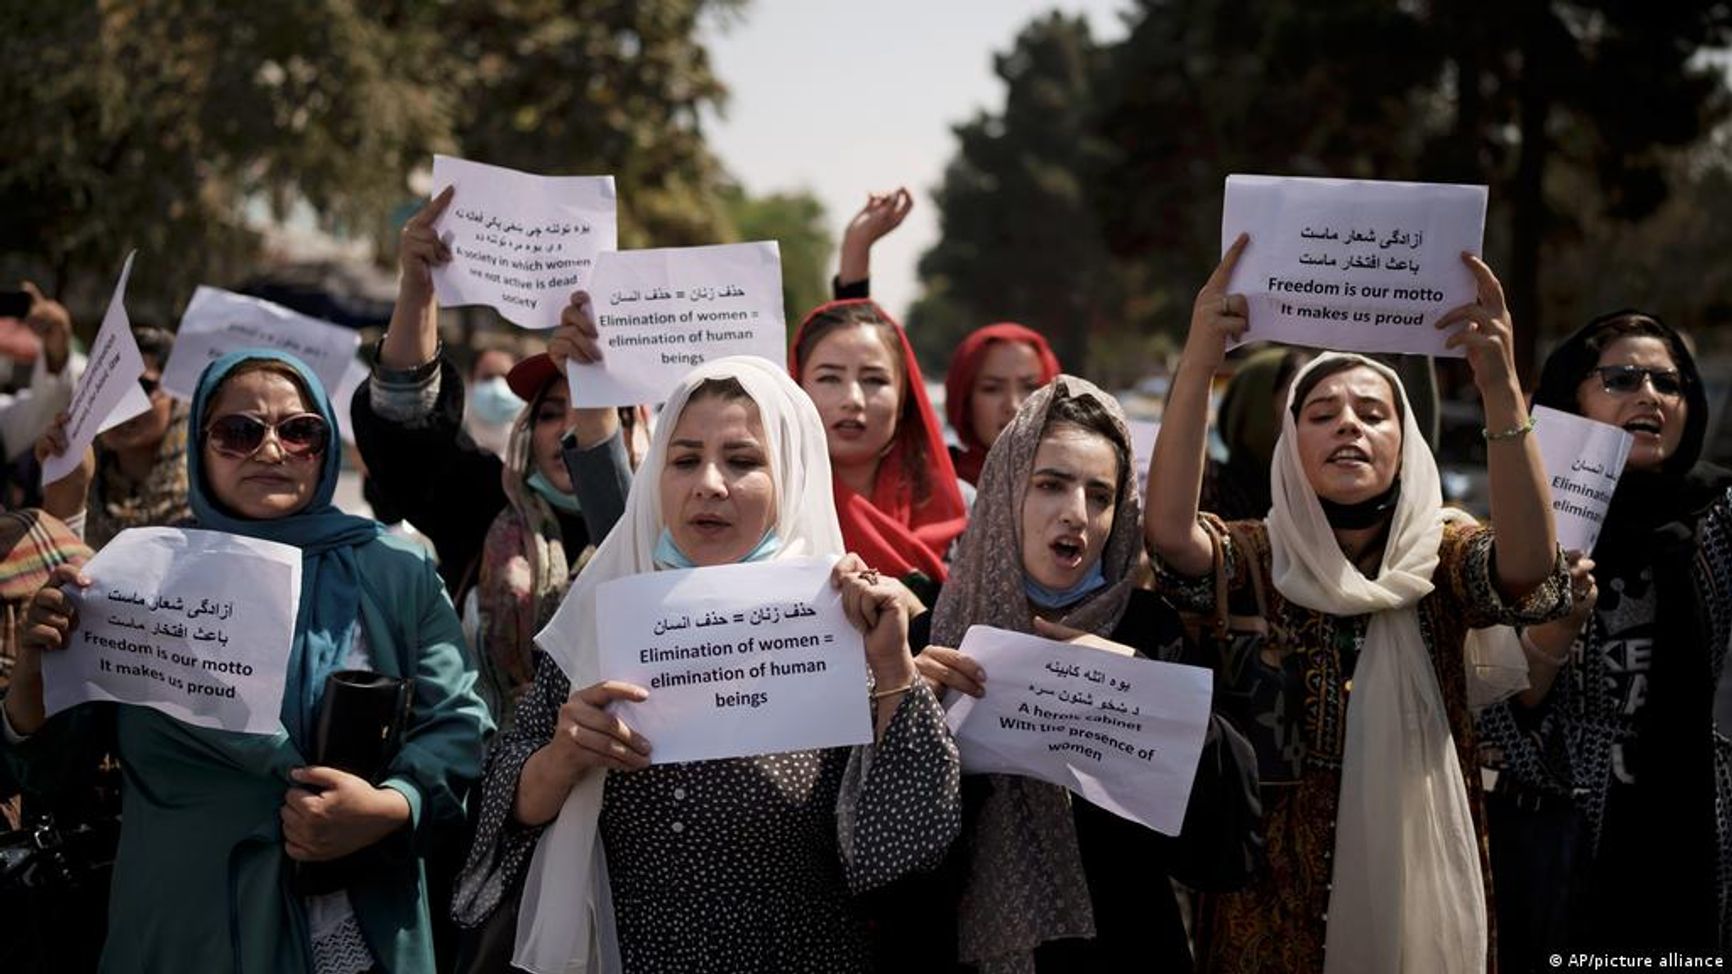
[[237, 435]]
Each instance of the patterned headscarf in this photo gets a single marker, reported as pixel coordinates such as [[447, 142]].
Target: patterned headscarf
[[32, 545], [157, 501], [525, 572], [1025, 880]]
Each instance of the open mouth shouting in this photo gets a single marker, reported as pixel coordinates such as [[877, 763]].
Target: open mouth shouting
[[1349, 456], [1647, 425], [1068, 550]]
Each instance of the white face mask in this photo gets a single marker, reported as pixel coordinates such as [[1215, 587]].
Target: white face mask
[[493, 402]]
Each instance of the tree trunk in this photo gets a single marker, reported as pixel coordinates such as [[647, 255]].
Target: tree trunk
[[1528, 213]]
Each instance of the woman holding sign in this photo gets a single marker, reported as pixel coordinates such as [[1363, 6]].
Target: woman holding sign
[[212, 820], [735, 864], [1356, 588], [1612, 815], [510, 534], [1044, 878], [896, 492]]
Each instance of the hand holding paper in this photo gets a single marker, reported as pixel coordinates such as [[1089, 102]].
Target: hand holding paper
[[108, 393], [195, 624], [1352, 265], [753, 658], [517, 242], [660, 312], [1124, 733]]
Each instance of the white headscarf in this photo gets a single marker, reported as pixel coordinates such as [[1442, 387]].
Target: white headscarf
[[1407, 895], [565, 923]]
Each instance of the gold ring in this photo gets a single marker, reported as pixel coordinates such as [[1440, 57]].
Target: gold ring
[[1226, 306]]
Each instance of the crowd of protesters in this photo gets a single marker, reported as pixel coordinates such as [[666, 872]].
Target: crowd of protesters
[[1435, 744]]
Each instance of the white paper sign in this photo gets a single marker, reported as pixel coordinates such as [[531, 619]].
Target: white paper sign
[[660, 312], [218, 322], [520, 243], [1583, 460], [1353, 265], [108, 392], [738, 660], [195, 624], [1122, 732]]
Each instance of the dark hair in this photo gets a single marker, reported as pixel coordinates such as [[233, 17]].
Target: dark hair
[[727, 388], [1576, 357], [1087, 414], [1314, 378], [153, 343], [1291, 361], [271, 366], [834, 317], [1631, 324]]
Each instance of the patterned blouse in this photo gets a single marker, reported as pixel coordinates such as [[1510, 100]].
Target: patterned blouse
[[1283, 676], [742, 864], [1582, 740]]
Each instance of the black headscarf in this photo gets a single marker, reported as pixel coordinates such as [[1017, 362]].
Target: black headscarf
[[1652, 524]]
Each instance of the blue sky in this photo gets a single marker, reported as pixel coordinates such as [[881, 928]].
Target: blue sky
[[841, 98]]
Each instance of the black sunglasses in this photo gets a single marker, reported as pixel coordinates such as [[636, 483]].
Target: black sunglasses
[[148, 384], [1624, 379], [302, 436]]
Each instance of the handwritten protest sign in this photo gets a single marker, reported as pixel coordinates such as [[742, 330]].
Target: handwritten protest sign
[[108, 392], [217, 322], [1583, 461], [1352, 265], [660, 312], [1122, 732], [195, 624], [520, 243], [744, 659]]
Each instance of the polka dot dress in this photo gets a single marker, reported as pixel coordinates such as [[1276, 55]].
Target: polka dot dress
[[745, 864]]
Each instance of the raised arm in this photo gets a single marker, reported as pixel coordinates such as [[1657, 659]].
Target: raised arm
[[1526, 541], [1176, 469], [882, 213], [412, 338]]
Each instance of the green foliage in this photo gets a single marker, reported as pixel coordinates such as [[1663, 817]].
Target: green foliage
[[1021, 241], [1586, 119], [159, 124], [797, 223]]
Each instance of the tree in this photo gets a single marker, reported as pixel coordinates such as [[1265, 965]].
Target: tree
[[797, 223], [161, 123], [1021, 240], [1538, 99], [148, 124], [595, 86]]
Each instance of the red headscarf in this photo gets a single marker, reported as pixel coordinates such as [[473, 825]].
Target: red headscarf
[[894, 531], [959, 385]]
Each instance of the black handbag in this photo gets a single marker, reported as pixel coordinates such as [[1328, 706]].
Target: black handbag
[[54, 894], [359, 730]]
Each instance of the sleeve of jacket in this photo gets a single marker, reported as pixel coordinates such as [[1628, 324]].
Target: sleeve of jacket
[[441, 753], [431, 472]]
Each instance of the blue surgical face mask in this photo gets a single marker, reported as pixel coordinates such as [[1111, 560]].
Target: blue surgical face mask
[[493, 402], [1054, 598], [558, 499], [668, 555]]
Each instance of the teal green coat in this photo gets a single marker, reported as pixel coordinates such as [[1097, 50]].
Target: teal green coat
[[201, 881]]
